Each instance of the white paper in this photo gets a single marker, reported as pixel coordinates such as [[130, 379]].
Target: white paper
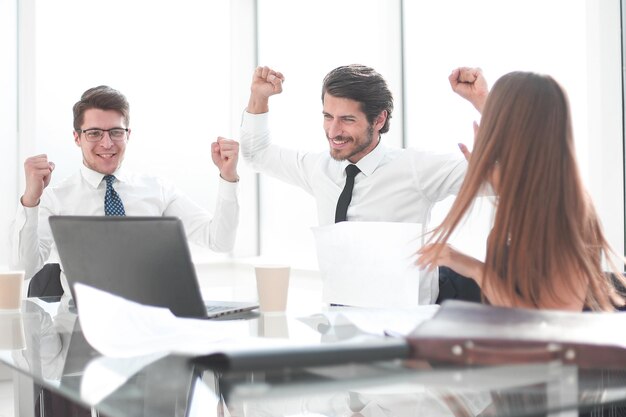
[[372, 264], [379, 321], [389, 321], [120, 328], [104, 375]]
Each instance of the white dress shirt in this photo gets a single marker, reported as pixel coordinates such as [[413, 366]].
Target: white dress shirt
[[142, 195], [395, 185]]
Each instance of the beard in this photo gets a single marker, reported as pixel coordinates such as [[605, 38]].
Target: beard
[[337, 155]]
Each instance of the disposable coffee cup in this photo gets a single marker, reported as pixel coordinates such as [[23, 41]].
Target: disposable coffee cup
[[11, 290], [272, 283]]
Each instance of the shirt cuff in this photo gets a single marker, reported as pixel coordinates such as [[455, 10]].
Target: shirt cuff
[[254, 122], [26, 216], [228, 190], [26, 220]]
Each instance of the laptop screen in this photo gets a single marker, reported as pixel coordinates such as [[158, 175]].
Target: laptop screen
[[143, 259]]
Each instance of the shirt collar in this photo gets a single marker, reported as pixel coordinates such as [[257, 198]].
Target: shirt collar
[[94, 178], [369, 162]]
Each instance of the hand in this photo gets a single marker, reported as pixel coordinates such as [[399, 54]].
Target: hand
[[225, 154], [265, 83], [470, 84], [466, 153], [494, 176], [464, 150], [439, 254], [38, 172]]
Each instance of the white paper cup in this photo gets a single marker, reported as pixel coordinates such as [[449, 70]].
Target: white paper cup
[[272, 283], [11, 290]]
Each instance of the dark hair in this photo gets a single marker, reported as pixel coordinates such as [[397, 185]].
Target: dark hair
[[104, 98], [362, 84]]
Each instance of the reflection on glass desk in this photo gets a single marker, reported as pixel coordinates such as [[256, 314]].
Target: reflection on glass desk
[[46, 348]]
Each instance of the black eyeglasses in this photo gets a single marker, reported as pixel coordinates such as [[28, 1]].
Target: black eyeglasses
[[117, 134]]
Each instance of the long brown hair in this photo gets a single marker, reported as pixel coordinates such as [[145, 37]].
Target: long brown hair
[[546, 234]]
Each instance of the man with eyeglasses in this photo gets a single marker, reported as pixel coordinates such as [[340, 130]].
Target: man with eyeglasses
[[101, 120]]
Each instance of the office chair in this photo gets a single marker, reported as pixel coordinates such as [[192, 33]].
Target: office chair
[[619, 286], [46, 282], [453, 285]]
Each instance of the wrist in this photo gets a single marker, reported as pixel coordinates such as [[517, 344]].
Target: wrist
[[230, 178], [479, 103], [258, 105], [29, 202]]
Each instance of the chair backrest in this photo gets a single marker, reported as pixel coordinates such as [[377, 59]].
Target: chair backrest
[[46, 282], [619, 287]]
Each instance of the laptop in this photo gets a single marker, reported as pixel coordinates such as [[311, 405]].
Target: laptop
[[143, 259]]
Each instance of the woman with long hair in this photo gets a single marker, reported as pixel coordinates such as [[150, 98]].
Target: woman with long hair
[[546, 248]]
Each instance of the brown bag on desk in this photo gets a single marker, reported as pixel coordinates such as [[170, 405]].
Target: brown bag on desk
[[472, 333]]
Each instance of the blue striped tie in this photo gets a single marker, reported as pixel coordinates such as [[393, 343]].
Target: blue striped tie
[[113, 205]]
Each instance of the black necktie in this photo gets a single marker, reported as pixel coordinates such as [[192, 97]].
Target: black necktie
[[113, 205], [346, 194]]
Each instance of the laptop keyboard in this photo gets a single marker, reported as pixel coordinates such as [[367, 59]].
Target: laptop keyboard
[[213, 308]]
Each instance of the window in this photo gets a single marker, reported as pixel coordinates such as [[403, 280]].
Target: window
[[185, 67], [319, 36], [8, 123], [173, 64], [581, 51]]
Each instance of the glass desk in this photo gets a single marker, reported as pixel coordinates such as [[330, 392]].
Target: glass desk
[[45, 347]]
